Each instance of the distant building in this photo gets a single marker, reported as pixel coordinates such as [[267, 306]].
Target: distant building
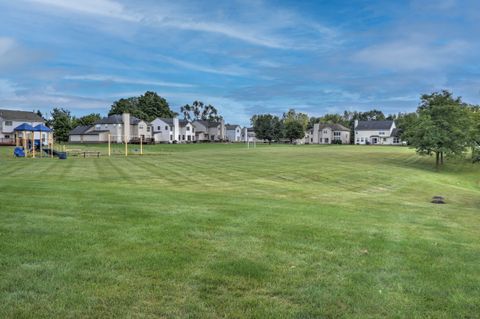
[[113, 125], [325, 133], [172, 130], [377, 133], [209, 130], [10, 119], [233, 133]]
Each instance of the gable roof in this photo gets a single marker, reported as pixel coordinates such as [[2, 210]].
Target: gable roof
[[12, 115], [79, 130], [333, 127], [373, 125], [396, 132], [208, 124], [183, 123], [117, 119], [231, 126], [165, 120]]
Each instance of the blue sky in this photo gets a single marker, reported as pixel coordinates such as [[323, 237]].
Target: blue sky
[[244, 57]]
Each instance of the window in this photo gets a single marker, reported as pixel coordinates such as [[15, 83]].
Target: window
[[8, 123], [188, 128], [140, 127], [212, 137], [98, 126], [384, 139], [358, 140], [311, 140], [325, 132], [183, 137], [106, 126], [193, 130], [158, 128], [362, 139], [396, 140], [171, 137], [381, 133], [166, 128], [148, 128], [189, 137], [7, 136], [336, 133]]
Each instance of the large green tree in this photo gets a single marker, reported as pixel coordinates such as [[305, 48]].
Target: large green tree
[[199, 111], [267, 127], [88, 119], [146, 107], [442, 128], [295, 124], [61, 122]]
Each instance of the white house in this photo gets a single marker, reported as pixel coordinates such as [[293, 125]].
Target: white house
[[165, 130], [377, 133], [248, 134], [172, 130], [113, 125], [10, 119], [325, 133], [233, 133], [209, 130]]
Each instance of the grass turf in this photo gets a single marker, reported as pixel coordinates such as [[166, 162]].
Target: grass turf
[[214, 231]]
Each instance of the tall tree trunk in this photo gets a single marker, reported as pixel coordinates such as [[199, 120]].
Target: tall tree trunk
[[441, 158], [437, 160]]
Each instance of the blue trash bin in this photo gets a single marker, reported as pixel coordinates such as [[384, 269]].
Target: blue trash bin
[[62, 155]]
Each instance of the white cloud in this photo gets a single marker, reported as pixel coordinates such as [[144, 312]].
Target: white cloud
[[124, 80], [106, 8], [410, 56], [231, 70]]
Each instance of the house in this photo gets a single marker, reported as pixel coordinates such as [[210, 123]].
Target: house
[[326, 133], [377, 133], [114, 127], [10, 119], [209, 130], [172, 130], [233, 133], [248, 134]]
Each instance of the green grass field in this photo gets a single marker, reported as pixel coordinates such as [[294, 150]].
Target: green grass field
[[219, 231]]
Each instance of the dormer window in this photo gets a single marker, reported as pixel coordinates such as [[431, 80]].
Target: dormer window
[[98, 126]]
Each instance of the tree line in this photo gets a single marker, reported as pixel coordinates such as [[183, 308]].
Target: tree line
[[442, 126]]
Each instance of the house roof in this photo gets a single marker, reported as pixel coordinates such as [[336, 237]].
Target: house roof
[[117, 119], [396, 132], [183, 123], [168, 121], [12, 115], [373, 125], [80, 130], [208, 124], [333, 127], [231, 126]]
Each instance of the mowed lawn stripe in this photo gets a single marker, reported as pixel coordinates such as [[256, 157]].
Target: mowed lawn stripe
[[222, 231]]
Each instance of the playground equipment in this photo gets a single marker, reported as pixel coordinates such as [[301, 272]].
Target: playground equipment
[[26, 144]]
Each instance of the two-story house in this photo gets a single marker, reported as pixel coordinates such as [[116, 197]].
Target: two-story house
[[10, 119], [114, 127], [326, 133], [209, 130], [172, 130], [377, 133], [233, 133]]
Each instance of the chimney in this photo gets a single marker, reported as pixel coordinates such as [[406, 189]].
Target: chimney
[[356, 124], [126, 127], [222, 129], [176, 129]]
